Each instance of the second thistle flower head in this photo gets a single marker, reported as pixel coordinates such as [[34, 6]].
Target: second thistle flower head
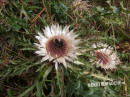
[[106, 58], [57, 44]]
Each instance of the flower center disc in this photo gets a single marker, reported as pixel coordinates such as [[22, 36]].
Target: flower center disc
[[57, 46], [102, 58]]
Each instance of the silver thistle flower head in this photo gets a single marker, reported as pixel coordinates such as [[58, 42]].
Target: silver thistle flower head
[[106, 58], [57, 44]]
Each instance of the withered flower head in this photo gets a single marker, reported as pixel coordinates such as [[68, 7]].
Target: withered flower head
[[81, 5]]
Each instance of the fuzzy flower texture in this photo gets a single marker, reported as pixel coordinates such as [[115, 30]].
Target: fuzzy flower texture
[[57, 45], [81, 5], [106, 58]]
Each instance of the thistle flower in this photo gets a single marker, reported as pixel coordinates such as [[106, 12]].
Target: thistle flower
[[59, 45], [81, 5], [106, 58]]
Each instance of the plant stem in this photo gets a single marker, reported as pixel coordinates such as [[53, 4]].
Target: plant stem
[[52, 85], [62, 83]]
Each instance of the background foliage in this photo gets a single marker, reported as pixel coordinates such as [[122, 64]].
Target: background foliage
[[22, 76]]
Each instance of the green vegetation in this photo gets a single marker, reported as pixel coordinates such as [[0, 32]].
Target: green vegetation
[[21, 75]]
